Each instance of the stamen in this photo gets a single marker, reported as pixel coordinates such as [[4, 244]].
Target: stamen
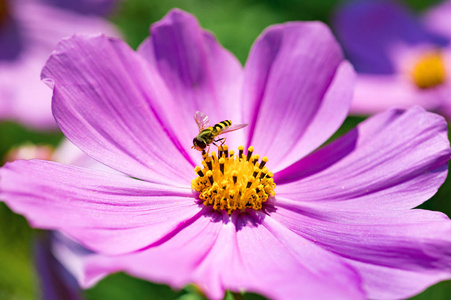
[[256, 170], [221, 164], [240, 153], [231, 183], [249, 183], [235, 176], [255, 160], [263, 163], [249, 153], [264, 172], [226, 150], [209, 163], [210, 176], [198, 170]]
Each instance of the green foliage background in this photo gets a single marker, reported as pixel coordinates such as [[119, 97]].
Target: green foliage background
[[236, 23]]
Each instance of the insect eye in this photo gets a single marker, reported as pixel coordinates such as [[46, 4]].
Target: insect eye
[[199, 143]]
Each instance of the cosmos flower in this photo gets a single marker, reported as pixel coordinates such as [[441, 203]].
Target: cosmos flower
[[335, 223], [402, 60], [29, 31]]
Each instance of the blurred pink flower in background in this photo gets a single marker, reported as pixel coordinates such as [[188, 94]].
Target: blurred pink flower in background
[[29, 31], [58, 258], [401, 59]]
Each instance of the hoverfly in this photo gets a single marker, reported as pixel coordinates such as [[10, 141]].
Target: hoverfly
[[207, 135]]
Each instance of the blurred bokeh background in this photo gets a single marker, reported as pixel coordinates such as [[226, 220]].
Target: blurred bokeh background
[[236, 24]]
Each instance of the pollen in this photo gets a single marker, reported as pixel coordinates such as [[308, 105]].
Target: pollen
[[229, 181], [429, 71]]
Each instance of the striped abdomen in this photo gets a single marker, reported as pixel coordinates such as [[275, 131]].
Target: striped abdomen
[[221, 126]]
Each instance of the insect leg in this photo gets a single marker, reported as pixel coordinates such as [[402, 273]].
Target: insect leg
[[222, 140]]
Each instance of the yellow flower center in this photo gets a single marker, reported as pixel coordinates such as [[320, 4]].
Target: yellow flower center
[[429, 71], [232, 181]]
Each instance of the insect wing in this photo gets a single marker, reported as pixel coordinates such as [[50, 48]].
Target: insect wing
[[201, 120], [233, 128]]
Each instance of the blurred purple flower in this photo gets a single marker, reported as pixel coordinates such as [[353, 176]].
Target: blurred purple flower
[[29, 31], [402, 60], [341, 225], [56, 281], [97, 7]]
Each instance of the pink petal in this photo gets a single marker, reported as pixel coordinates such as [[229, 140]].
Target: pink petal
[[437, 19], [398, 253], [297, 91], [394, 160], [201, 74], [104, 211], [286, 266], [68, 153], [173, 262], [23, 96], [217, 254], [378, 93], [101, 102]]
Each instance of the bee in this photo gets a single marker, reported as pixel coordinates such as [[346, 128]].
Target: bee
[[207, 135]]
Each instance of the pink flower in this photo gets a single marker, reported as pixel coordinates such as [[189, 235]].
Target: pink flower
[[29, 31], [402, 60], [341, 223]]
